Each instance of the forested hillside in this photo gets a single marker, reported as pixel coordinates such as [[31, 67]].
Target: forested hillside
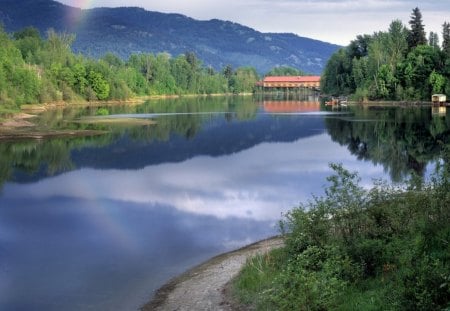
[[126, 31], [37, 70], [400, 64]]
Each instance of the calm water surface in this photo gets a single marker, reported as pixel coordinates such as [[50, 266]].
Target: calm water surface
[[99, 223]]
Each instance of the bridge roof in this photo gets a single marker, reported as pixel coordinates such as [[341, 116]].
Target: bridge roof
[[292, 79]]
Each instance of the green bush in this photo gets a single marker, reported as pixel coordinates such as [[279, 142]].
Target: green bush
[[386, 248]]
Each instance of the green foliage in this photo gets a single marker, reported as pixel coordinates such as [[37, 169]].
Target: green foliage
[[102, 112], [36, 70], [243, 80], [437, 82], [446, 39], [392, 65], [356, 249], [98, 84], [417, 34], [285, 71]]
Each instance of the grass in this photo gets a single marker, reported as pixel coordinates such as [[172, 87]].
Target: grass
[[255, 281]]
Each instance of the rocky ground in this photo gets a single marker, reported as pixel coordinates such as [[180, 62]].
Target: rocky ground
[[206, 287]]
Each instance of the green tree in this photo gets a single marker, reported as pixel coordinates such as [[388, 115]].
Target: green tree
[[337, 78], [28, 41], [285, 71], [244, 80], [421, 62], [446, 39], [396, 44], [437, 82], [433, 40], [99, 85], [417, 34], [360, 47]]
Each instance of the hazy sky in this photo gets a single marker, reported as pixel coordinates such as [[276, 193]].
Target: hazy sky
[[336, 21]]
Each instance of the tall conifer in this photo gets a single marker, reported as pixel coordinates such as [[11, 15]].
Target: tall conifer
[[417, 34], [446, 38]]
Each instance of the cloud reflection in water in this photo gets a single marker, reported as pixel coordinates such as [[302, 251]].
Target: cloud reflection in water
[[258, 183]]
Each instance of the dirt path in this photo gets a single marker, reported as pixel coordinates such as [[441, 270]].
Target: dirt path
[[202, 288]]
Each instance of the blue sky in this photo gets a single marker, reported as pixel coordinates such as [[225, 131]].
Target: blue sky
[[336, 21]]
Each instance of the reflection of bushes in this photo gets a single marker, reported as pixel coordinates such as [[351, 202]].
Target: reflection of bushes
[[354, 249], [102, 112]]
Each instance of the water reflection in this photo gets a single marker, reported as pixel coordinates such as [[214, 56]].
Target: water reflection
[[400, 139], [284, 106], [259, 182], [69, 253], [98, 223]]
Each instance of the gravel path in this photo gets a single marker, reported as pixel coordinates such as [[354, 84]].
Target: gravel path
[[203, 287]]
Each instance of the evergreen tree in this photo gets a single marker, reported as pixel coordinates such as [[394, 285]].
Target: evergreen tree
[[446, 39], [417, 34], [433, 40]]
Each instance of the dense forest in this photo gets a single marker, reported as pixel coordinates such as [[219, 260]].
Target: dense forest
[[40, 70], [400, 64]]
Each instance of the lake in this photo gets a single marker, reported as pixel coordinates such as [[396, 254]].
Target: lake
[[101, 222]]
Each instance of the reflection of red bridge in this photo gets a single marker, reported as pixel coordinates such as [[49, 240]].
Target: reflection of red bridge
[[291, 106]]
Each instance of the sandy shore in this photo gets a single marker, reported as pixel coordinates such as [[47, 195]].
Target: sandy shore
[[204, 287]]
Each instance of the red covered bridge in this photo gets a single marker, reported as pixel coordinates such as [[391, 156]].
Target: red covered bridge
[[312, 82]]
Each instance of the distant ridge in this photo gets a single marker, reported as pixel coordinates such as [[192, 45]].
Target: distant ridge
[[128, 30]]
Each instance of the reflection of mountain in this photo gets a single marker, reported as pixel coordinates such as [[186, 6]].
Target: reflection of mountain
[[218, 137]]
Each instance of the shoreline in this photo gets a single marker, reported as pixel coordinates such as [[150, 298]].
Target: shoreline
[[130, 101], [204, 287], [17, 125]]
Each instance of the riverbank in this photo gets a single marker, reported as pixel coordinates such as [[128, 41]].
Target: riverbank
[[205, 287], [130, 101], [391, 103], [19, 124]]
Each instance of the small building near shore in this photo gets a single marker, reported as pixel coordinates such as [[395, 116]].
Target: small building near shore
[[438, 98]]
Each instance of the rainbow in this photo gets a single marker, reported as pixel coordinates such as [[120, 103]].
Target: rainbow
[[75, 17]]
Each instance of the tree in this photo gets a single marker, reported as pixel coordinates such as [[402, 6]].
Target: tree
[[437, 82], [28, 41], [337, 77], [446, 39], [397, 43], [417, 34], [433, 40], [285, 71], [244, 80], [99, 85], [420, 63], [360, 47]]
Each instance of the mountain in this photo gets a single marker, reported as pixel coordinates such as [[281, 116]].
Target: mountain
[[129, 30]]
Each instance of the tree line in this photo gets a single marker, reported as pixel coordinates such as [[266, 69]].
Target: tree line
[[40, 70], [400, 64]]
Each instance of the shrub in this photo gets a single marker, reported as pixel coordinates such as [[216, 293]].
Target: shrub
[[386, 248]]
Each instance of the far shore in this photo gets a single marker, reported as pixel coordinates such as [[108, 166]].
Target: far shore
[[18, 124], [131, 101]]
